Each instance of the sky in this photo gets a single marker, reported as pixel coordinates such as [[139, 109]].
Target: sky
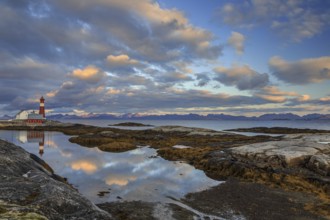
[[239, 57]]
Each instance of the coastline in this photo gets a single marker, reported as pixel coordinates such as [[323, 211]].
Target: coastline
[[222, 156]]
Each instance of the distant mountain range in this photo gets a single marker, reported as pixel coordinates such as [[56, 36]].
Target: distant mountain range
[[5, 117], [137, 116]]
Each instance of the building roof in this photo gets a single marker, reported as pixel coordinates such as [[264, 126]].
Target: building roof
[[35, 116]]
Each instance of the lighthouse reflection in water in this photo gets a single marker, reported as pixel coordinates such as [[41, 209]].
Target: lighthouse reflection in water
[[37, 137], [137, 174]]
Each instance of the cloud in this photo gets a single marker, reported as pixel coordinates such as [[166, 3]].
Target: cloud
[[173, 77], [304, 98], [325, 99], [85, 165], [182, 67], [120, 180], [301, 72], [123, 64], [273, 90], [274, 94], [124, 56], [26, 78], [202, 79], [90, 74], [121, 60], [242, 77], [145, 29], [236, 40], [296, 20], [273, 98]]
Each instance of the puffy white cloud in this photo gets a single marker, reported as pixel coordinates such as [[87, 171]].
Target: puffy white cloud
[[304, 71], [242, 77], [236, 40]]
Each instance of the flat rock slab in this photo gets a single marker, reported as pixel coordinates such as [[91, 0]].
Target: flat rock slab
[[28, 187], [293, 151]]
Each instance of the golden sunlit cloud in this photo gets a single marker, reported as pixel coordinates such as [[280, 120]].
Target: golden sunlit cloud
[[120, 181], [273, 98], [90, 73], [112, 91], [121, 60], [325, 99], [52, 93], [84, 165], [51, 143], [273, 90], [304, 98]]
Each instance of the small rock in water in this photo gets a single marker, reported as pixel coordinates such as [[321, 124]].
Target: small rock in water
[[103, 193]]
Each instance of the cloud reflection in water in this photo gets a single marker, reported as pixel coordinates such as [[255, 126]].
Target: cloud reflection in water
[[132, 175]]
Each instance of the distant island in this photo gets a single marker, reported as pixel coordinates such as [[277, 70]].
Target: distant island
[[131, 124]]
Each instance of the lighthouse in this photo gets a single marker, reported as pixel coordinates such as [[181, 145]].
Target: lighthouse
[[42, 107]]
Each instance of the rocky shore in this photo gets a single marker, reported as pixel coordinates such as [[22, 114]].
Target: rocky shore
[[29, 189], [266, 177]]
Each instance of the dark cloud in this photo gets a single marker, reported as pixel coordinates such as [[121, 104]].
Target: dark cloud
[[236, 40], [202, 79], [114, 56], [296, 20], [312, 70], [242, 77], [64, 48], [25, 79]]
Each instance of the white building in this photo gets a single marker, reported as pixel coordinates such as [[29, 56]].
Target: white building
[[22, 115]]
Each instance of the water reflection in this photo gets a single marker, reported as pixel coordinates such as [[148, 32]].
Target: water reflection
[[32, 137], [133, 175]]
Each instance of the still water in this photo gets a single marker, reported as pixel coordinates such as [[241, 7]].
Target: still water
[[134, 175], [218, 125]]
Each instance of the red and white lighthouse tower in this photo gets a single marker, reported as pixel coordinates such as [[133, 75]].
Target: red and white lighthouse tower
[[42, 107]]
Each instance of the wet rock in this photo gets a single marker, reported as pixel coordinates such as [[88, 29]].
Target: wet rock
[[108, 134], [320, 164], [282, 154], [296, 163], [242, 200], [117, 146], [134, 210], [131, 124], [27, 188]]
